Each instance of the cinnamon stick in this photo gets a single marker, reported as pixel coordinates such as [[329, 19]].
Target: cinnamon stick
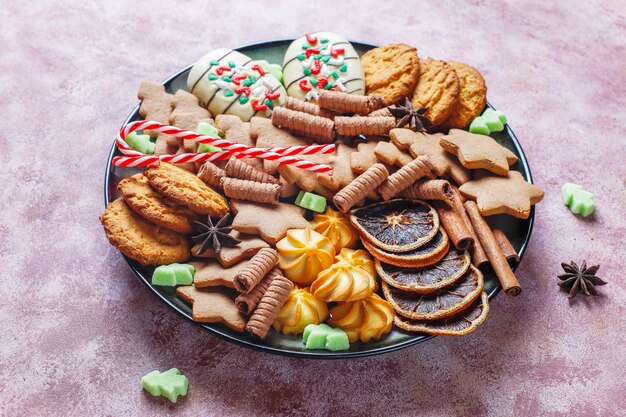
[[457, 231], [503, 271], [505, 245], [479, 257]]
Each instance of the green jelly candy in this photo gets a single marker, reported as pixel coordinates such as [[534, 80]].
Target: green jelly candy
[[337, 340], [206, 148], [209, 130], [308, 329], [311, 201], [578, 200], [478, 126], [169, 384], [140, 143], [173, 275], [493, 122]]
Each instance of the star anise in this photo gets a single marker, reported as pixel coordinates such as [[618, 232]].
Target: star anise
[[580, 279], [213, 235], [415, 119]]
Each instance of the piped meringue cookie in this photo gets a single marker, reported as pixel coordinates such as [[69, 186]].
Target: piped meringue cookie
[[363, 320], [351, 278], [304, 253], [336, 227], [300, 310]]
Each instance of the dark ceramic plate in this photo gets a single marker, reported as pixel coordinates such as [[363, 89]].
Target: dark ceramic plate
[[517, 230]]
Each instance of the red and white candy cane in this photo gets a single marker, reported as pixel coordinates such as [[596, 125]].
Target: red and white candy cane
[[282, 155]]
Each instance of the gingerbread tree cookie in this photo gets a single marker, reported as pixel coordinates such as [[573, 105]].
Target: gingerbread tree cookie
[[213, 305], [478, 151], [509, 194], [425, 144]]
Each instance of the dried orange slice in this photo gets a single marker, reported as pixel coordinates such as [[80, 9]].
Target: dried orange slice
[[462, 323], [428, 279], [425, 255], [397, 225], [443, 303]]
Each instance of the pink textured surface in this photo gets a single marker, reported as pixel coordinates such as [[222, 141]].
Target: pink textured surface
[[78, 330]]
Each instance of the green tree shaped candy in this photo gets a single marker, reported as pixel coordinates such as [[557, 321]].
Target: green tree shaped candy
[[140, 143], [169, 384], [490, 121], [173, 275], [311, 201], [578, 199], [322, 336], [206, 129]]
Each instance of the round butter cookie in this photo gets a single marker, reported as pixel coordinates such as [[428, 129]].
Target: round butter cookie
[[437, 88], [391, 71], [472, 96]]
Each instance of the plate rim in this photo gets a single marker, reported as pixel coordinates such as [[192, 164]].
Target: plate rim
[[257, 345]]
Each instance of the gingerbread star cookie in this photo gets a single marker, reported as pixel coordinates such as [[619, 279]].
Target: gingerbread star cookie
[[478, 151], [364, 157], [271, 222], [212, 274], [425, 144], [509, 194], [390, 154], [214, 305], [230, 255]]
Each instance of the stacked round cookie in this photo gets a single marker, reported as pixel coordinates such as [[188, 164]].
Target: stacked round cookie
[[432, 286]]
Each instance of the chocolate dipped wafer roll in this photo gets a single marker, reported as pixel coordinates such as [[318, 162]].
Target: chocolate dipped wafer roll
[[349, 103], [269, 307], [305, 107], [211, 174], [314, 127], [360, 187], [255, 270], [400, 180], [236, 168], [440, 190], [246, 303], [364, 125]]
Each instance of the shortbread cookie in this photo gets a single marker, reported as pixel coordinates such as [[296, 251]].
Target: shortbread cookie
[[185, 188], [509, 194], [214, 305], [472, 96], [144, 242], [425, 144], [322, 61], [437, 88], [154, 207], [391, 71], [478, 151], [229, 82]]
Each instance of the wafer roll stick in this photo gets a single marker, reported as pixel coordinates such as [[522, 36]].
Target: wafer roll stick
[[364, 125], [211, 174], [310, 108], [255, 270], [454, 225], [440, 190], [384, 112], [401, 179], [505, 275], [360, 187], [349, 103], [505, 245], [259, 192], [315, 127], [479, 257], [269, 306], [236, 168], [246, 303]]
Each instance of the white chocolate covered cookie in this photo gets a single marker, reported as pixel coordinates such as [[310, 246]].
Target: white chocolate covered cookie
[[322, 60], [229, 82]]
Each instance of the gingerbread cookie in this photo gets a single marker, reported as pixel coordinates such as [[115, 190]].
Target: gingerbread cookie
[[231, 255], [307, 180], [154, 207], [237, 131], [509, 194], [271, 222], [364, 156], [322, 61], [156, 104], [186, 114], [425, 144], [229, 82], [269, 136], [390, 154], [472, 96], [185, 188], [437, 88], [144, 242], [391, 71], [342, 174], [478, 151], [213, 305], [212, 274]]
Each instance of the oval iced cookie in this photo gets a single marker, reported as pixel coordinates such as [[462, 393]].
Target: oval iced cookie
[[322, 61], [229, 82]]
